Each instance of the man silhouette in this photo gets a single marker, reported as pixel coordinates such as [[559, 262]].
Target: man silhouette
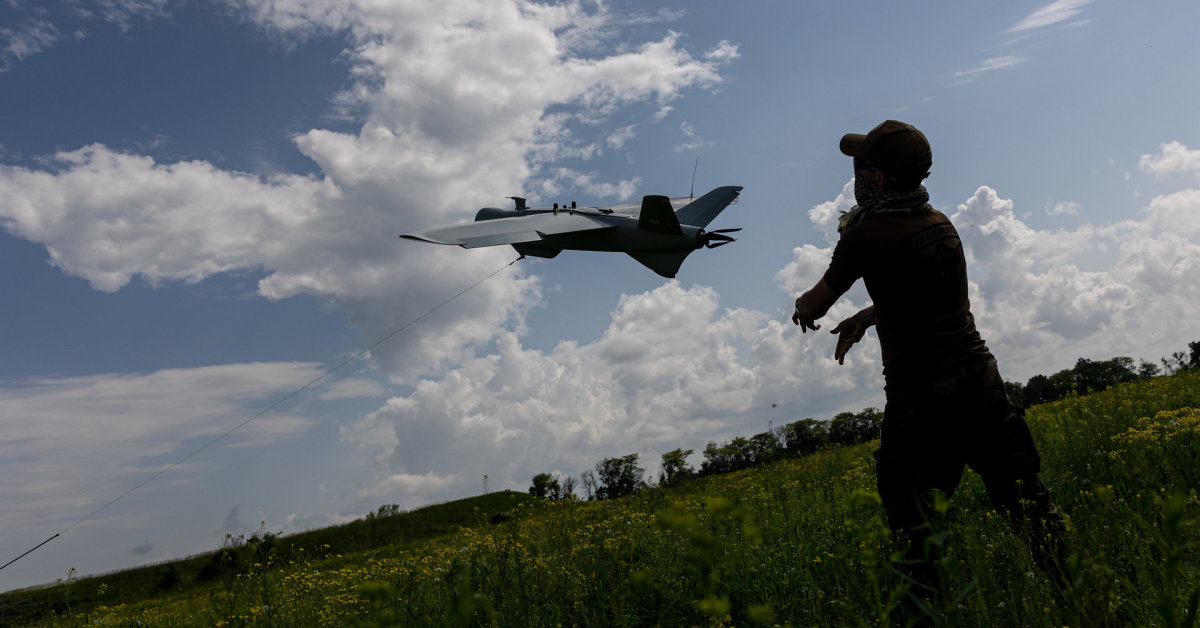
[[946, 402]]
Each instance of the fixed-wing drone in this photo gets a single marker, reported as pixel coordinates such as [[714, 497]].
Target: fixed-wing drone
[[659, 232]]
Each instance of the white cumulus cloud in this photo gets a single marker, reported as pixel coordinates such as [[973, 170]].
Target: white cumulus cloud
[[455, 107], [1033, 300], [1061, 208], [1173, 157], [673, 369]]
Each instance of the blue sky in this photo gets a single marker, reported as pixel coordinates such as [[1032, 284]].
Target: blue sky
[[199, 206]]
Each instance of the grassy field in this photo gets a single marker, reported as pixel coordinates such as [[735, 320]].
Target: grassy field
[[800, 542]]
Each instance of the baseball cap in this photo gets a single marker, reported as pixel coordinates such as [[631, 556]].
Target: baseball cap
[[896, 148]]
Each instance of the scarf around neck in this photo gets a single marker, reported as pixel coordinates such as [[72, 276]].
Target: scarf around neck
[[873, 199]]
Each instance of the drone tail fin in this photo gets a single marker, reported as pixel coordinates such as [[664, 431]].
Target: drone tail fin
[[657, 216], [665, 264], [703, 210]]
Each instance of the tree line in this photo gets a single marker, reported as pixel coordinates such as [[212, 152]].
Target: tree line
[[621, 476], [1095, 375]]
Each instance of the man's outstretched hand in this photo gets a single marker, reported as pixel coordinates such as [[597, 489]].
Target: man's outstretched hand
[[803, 318], [813, 305]]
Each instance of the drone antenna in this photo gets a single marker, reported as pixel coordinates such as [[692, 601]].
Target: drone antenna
[[692, 192]]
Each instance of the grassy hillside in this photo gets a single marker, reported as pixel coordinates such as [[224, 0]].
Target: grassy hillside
[[387, 527], [800, 542]]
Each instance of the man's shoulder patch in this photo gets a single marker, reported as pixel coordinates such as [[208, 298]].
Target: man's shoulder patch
[[929, 235]]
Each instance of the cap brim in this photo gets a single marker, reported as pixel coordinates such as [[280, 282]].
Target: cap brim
[[852, 144]]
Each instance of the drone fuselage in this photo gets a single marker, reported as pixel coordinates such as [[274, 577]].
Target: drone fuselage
[[624, 237], [658, 232]]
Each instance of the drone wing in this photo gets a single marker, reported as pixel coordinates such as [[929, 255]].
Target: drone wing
[[515, 230]]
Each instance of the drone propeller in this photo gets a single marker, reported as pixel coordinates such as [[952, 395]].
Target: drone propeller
[[713, 239]]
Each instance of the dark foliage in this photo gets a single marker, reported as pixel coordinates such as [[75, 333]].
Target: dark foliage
[[849, 428], [805, 436], [618, 477], [675, 468], [545, 486], [1089, 376]]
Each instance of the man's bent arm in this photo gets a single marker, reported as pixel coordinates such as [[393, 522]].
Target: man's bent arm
[[813, 305], [866, 315]]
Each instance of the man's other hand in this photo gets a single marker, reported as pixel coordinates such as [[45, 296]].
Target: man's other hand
[[849, 332]]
